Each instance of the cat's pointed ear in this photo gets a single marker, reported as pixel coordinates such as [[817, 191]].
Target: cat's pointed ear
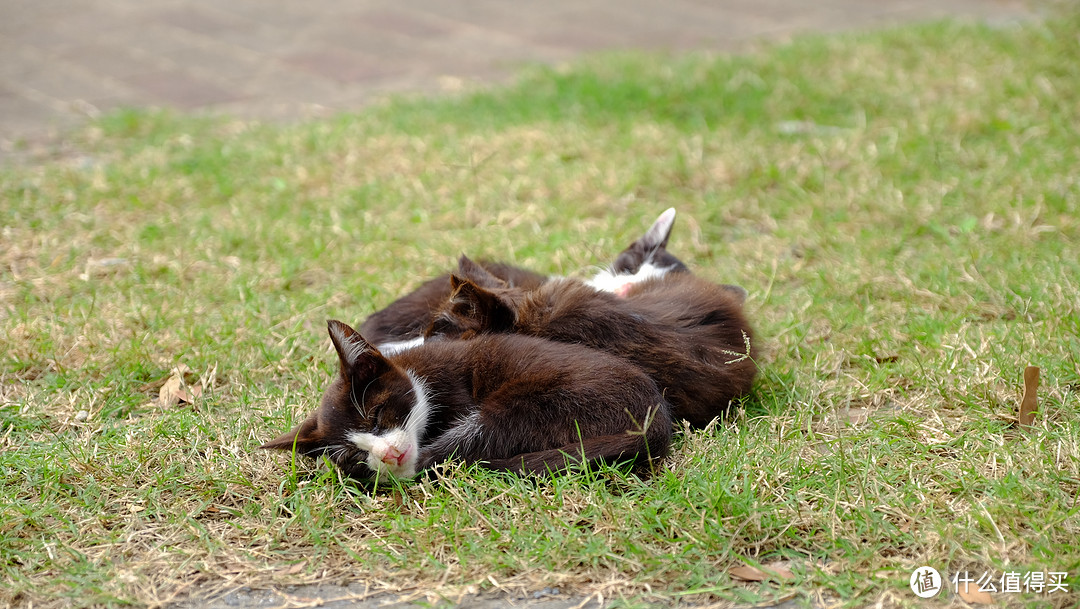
[[651, 248], [305, 438], [489, 309], [737, 292], [477, 274], [658, 233], [359, 360]]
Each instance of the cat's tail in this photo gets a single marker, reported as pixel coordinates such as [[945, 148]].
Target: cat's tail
[[633, 446]]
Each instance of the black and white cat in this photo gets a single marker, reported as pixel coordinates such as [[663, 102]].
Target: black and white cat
[[509, 402]]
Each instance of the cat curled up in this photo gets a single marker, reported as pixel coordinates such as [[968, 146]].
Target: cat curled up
[[508, 402], [688, 334], [401, 324]]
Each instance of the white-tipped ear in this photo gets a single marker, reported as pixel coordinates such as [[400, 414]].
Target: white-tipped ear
[[349, 344], [658, 233]]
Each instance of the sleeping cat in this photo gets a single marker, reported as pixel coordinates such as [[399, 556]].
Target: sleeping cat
[[509, 402], [688, 334], [402, 323]]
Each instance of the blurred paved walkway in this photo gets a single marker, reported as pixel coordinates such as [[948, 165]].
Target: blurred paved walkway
[[64, 60]]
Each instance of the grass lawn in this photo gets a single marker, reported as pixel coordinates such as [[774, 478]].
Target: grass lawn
[[902, 206]]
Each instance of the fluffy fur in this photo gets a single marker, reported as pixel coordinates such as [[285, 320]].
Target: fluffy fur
[[402, 323], [688, 334], [511, 402]]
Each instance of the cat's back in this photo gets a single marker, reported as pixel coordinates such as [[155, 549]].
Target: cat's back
[[570, 307], [501, 362], [513, 371], [515, 277], [686, 298], [409, 316]]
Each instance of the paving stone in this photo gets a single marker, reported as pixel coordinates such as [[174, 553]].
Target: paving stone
[[272, 57], [340, 65], [179, 89]]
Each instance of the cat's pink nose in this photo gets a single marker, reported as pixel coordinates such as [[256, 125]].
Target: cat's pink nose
[[394, 456]]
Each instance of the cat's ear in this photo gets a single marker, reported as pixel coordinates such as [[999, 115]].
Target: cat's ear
[[477, 274], [305, 438], [492, 311], [737, 292], [658, 233], [359, 360], [651, 247]]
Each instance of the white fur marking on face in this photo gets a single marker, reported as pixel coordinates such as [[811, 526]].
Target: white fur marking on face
[[396, 451], [649, 270], [398, 346]]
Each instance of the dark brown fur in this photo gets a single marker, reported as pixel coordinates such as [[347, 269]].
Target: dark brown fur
[[688, 334], [408, 316], [510, 402]]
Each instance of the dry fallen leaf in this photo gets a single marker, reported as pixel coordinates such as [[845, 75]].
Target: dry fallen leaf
[[298, 567], [1030, 403], [776, 570], [782, 569], [176, 390], [852, 416], [188, 395], [747, 574], [169, 394], [975, 596]]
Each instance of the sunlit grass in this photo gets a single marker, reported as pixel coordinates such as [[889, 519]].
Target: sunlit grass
[[903, 208]]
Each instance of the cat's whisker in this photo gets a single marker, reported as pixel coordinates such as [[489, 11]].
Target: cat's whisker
[[338, 453], [353, 402], [325, 450], [363, 399]]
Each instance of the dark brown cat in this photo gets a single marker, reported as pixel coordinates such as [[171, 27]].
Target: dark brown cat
[[403, 321], [688, 334], [510, 402]]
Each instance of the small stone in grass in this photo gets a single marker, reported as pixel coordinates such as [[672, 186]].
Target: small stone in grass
[[81, 416]]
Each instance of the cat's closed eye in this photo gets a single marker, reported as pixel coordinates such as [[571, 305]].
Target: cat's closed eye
[[443, 325], [375, 413]]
